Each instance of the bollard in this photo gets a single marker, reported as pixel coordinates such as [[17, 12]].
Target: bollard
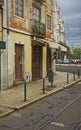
[[43, 86], [74, 75], [51, 84], [25, 90], [78, 73], [50, 77], [67, 77]]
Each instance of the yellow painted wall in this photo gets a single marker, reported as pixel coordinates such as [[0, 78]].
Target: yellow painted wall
[[26, 41], [44, 58], [0, 27]]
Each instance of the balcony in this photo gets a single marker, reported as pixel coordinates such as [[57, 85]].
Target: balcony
[[39, 1], [38, 29], [62, 30]]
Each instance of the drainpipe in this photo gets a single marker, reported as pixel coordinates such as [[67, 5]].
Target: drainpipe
[[7, 8], [1, 9]]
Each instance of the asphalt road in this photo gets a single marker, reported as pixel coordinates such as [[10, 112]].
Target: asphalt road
[[68, 118], [69, 68], [60, 111]]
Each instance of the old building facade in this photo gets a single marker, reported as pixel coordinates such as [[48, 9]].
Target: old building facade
[[27, 30], [59, 33], [27, 27]]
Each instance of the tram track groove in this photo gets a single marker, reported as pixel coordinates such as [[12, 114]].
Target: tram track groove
[[60, 112]]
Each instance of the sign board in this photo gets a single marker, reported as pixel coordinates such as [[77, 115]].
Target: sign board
[[2, 45]]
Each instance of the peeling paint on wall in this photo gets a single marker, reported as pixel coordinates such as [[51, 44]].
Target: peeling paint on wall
[[21, 23]]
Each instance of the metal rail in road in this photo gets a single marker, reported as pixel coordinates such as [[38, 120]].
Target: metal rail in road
[[78, 127], [50, 119]]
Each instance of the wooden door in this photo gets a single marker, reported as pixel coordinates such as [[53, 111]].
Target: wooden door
[[36, 62], [18, 62]]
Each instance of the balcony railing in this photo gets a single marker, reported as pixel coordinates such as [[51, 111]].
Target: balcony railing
[[38, 29], [40, 1]]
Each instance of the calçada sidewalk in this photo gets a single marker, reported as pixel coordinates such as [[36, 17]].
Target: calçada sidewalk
[[13, 98]]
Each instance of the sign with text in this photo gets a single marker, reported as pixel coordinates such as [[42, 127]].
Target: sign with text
[[2, 45]]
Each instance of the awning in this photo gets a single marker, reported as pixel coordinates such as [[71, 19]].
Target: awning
[[57, 46], [64, 49], [53, 45], [44, 42], [39, 42]]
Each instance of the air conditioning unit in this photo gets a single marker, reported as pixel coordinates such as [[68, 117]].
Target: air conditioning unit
[[1, 2]]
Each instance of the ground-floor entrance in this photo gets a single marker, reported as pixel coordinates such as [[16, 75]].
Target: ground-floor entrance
[[19, 62], [36, 62]]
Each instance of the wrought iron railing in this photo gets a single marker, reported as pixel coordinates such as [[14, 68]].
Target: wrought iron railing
[[40, 1], [38, 28]]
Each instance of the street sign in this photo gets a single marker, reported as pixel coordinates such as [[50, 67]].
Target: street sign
[[2, 45]]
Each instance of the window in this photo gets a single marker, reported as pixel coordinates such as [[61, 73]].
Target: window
[[48, 22], [19, 7], [36, 14]]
